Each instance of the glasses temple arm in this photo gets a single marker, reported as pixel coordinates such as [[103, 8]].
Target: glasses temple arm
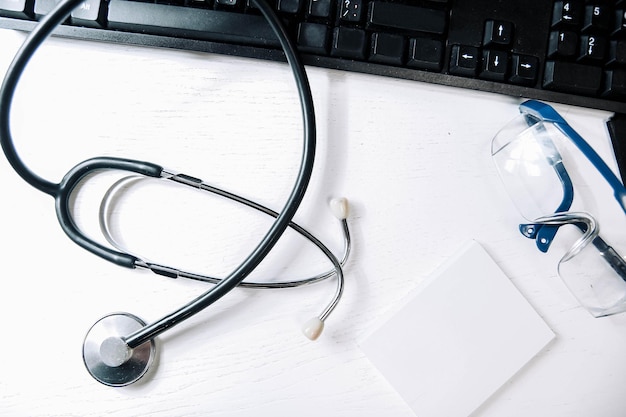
[[544, 112]]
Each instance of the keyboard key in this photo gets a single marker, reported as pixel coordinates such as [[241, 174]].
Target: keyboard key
[[567, 13], [290, 6], [619, 27], [498, 32], [615, 83], [524, 69], [351, 10], [349, 43], [22, 9], [592, 48], [495, 65], [320, 8], [572, 78], [404, 17], [464, 60], [313, 37], [617, 52], [43, 7], [425, 54], [87, 14], [387, 48], [204, 24], [563, 44], [597, 18]]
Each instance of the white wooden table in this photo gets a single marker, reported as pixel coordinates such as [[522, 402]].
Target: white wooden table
[[412, 158]]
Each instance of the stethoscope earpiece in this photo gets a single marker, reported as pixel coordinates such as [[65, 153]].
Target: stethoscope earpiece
[[340, 208], [313, 328]]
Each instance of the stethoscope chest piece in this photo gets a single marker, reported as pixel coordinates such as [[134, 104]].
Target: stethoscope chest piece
[[107, 356]]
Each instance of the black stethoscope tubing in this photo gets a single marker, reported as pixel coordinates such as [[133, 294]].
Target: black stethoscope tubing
[[62, 191]]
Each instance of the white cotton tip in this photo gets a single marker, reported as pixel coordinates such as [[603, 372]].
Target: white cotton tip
[[313, 328], [340, 208]]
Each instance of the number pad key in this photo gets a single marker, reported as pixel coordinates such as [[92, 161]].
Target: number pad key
[[593, 48], [567, 13], [572, 78], [619, 27], [615, 84], [597, 18], [563, 44], [617, 52]]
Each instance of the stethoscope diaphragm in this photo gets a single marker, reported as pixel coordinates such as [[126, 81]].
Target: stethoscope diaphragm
[[107, 356]]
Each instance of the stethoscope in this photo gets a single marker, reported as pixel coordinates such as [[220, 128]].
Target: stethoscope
[[119, 348]]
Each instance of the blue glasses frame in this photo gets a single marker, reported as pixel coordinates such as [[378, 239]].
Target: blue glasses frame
[[536, 112]]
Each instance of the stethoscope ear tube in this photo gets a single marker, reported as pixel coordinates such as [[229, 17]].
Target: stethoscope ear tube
[[39, 34]]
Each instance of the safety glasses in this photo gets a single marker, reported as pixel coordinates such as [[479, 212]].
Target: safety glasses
[[529, 155]]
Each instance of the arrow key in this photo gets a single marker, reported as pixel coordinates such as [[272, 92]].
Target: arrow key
[[464, 60], [497, 32], [495, 65], [524, 69]]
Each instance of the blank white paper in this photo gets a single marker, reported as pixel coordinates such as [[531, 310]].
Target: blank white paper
[[465, 333]]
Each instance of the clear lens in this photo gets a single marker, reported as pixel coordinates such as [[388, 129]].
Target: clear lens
[[596, 277], [530, 166]]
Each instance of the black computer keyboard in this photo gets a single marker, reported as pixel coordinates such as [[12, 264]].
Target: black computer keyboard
[[572, 52]]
